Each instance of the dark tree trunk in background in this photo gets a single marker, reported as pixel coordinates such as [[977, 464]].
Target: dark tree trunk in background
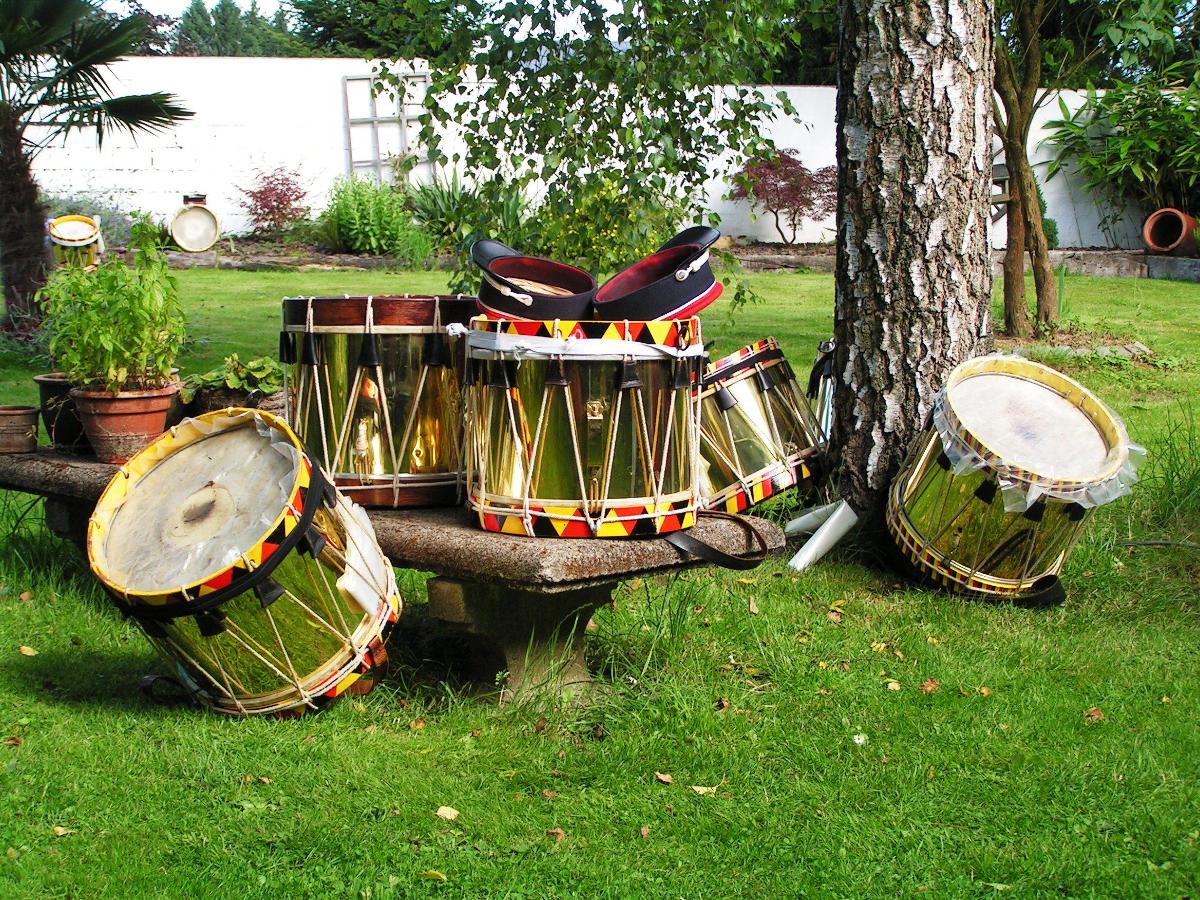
[[913, 266], [22, 229], [1016, 310]]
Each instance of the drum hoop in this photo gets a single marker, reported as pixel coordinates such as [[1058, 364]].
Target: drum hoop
[[375, 482], [362, 329], [142, 464], [715, 380], [482, 498], [428, 305], [1098, 414], [74, 242]]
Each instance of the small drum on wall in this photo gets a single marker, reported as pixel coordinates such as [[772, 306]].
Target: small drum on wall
[[583, 429], [195, 227], [375, 393], [997, 491], [76, 240], [758, 435], [262, 585]]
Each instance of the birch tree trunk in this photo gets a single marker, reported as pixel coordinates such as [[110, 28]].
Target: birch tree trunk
[[914, 276]]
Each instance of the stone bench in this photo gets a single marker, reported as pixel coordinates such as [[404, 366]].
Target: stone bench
[[525, 600]]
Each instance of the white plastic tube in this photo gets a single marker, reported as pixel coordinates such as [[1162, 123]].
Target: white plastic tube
[[835, 527], [810, 520]]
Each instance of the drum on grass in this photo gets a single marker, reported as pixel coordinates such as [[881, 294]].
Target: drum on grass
[[376, 393], [998, 489], [76, 240], [758, 435], [262, 584], [583, 429]]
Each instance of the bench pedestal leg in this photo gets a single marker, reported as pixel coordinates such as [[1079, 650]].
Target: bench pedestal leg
[[539, 635], [69, 520]]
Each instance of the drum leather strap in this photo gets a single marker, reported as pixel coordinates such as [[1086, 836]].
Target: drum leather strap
[[205, 609], [687, 543]]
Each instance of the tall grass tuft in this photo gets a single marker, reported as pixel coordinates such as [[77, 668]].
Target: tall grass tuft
[[1167, 497], [365, 217]]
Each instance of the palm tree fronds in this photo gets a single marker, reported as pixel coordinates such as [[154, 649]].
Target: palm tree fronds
[[132, 113]]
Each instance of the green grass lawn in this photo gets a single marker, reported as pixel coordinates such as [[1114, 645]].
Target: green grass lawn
[[994, 783]]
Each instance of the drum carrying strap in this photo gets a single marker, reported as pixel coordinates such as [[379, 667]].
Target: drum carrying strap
[[689, 544]]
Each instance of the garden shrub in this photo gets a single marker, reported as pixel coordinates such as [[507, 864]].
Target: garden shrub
[[1134, 144], [786, 189], [602, 228], [370, 218], [275, 202], [444, 207]]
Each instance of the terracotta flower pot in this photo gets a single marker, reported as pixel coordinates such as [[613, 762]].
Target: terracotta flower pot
[[18, 429], [119, 425], [1170, 231], [59, 415]]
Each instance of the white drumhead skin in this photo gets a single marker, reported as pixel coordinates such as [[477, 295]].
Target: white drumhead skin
[[74, 232], [198, 510], [195, 228], [1030, 426]]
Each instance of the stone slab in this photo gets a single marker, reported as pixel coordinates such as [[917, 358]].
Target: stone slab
[[1177, 268], [447, 541]]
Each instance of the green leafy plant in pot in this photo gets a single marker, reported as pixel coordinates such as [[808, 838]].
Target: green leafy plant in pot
[[236, 383], [114, 334]]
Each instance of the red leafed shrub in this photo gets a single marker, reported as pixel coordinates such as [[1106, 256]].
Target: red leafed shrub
[[275, 201], [788, 190]]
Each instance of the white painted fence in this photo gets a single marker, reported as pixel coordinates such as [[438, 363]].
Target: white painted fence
[[253, 114]]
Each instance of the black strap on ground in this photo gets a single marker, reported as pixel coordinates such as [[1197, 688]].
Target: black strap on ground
[[165, 690], [682, 540]]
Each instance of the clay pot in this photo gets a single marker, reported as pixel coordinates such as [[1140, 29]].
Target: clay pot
[[59, 415], [18, 429], [1170, 231], [119, 425]]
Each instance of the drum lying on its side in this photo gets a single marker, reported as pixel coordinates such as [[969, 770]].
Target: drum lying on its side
[[376, 393], [583, 429], [996, 492], [262, 585], [758, 435]]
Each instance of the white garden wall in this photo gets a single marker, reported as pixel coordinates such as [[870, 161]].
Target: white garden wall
[[261, 113]]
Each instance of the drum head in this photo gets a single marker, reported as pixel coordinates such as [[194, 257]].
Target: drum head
[[195, 228], [199, 509], [1031, 426], [74, 231]]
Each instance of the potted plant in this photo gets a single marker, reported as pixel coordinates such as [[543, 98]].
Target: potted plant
[[236, 383], [115, 333]]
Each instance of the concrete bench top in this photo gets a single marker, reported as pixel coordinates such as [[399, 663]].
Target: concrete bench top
[[447, 540]]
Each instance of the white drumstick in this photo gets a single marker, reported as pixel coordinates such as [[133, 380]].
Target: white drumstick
[[839, 523]]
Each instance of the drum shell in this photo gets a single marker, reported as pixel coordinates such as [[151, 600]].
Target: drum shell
[[527, 429], [764, 444], [955, 529], [347, 430], [240, 650]]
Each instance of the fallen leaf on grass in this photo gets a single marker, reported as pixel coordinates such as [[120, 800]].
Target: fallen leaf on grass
[[824, 691], [539, 726], [416, 724], [745, 581], [635, 584], [834, 616], [263, 779], [432, 875], [1093, 715], [476, 732], [879, 646], [844, 665], [645, 832], [892, 684], [449, 813], [930, 686], [985, 691], [933, 640], [548, 794], [26, 651], [753, 607], [59, 831], [721, 705], [702, 791], [663, 778], [1165, 699], [557, 833], [26, 596]]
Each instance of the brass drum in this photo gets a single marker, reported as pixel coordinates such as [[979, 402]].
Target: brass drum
[[583, 429], [997, 491], [758, 435], [375, 393]]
